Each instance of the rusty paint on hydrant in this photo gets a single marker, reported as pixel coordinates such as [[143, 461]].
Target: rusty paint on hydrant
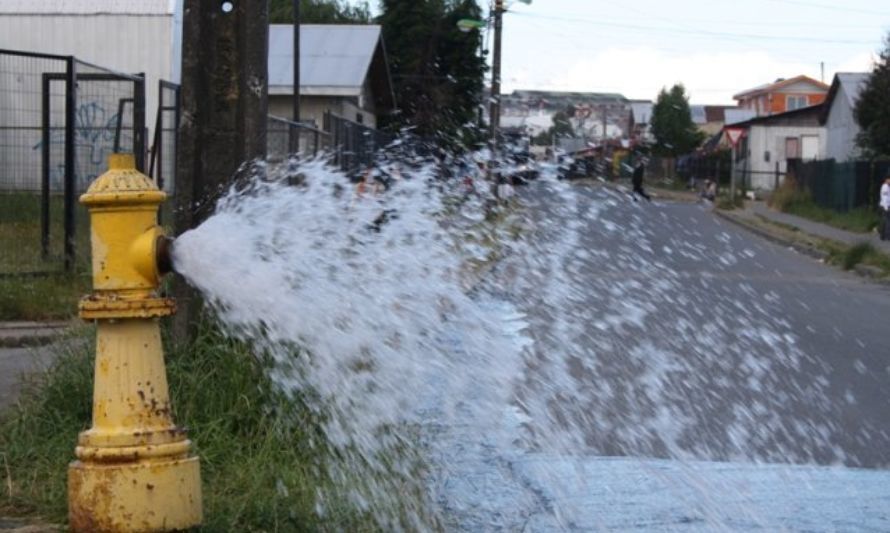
[[134, 470]]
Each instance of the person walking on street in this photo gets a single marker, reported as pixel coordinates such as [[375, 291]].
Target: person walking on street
[[637, 181], [885, 209]]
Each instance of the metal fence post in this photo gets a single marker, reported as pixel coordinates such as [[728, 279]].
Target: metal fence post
[[45, 171], [70, 160], [139, 121]]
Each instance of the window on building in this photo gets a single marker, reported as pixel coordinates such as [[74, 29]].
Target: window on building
[[793, 102], [792, 148]]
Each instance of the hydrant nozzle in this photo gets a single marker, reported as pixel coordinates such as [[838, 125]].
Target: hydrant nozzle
[[164, 255], [134, 469]]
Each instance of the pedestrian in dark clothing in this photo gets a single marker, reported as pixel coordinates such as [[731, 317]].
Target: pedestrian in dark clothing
[[885, 210], [637, 181]]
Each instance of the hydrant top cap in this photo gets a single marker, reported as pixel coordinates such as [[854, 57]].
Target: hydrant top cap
[[123, 184]]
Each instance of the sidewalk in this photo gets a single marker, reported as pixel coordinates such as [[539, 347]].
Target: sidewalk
[[753, 209], [26, 348], [22, 334]]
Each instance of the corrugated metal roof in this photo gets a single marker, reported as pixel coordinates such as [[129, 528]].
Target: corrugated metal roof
[[566, 95], [735, 116], [334, 58], [86, 7], [853, 82]]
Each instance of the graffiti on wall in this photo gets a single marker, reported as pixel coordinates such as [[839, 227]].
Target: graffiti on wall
[[94, 130]]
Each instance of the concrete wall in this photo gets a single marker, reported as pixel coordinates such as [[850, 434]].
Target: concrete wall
[[766, 145], [841, 128]]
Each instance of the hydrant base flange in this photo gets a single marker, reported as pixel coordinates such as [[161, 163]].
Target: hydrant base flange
[[138, 497]]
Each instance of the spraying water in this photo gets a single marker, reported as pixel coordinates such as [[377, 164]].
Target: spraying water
[[487, 360]]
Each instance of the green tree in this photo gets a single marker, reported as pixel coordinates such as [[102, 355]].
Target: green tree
[[319, 12], [436, 68], [873, 109], [561, 129], [675, 133]]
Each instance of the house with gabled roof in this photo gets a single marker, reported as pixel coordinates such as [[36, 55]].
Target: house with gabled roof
[[838, 115], [783, 95], [768, 142], [343, 70]]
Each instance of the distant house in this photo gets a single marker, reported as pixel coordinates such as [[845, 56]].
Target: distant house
[[343, 70], [591, 111], [639, 123], [716, 117], [840, 124], [710, 119], [783, 95], [735, 115], [770, 141]]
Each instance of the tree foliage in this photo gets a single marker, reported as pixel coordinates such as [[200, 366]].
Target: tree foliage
[[675, 133], [319, 12], [438, 74], [873, 109], [561, 129]]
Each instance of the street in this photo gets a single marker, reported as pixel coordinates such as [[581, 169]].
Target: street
[[689, 337], [686, 375]]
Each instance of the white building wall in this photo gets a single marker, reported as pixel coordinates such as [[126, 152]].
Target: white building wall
[[767, 145], [113, 38], [126, 42], [841, 128], [313, 108]]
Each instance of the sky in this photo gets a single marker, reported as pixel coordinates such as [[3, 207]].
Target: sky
[[716, 48]]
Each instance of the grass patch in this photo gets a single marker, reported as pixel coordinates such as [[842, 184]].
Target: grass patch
[[848, 257], [839, 254], [20, 234], [789, 199], [260, 449], [726, 203], [42, 297], [771, 222], [675, 184]]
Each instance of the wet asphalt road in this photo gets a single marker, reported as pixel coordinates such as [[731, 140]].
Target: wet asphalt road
[[664, 331]]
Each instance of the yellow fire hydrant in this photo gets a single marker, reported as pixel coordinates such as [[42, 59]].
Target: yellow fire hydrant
[[134, 470]]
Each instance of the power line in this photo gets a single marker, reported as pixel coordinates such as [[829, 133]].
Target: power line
[[700, 33], [844, 8]]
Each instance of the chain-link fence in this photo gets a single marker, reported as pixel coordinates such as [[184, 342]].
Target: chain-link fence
[[353, 146], [285, 137], [60, 118], [32, 161]]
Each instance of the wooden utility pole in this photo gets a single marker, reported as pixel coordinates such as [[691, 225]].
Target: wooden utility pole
[[496, 73], [605, 123], [732, 176], [224, 113]]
